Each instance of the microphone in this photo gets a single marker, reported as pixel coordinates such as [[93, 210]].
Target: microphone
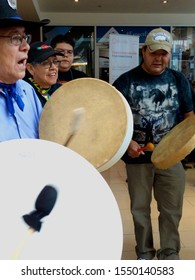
[[43, 205]]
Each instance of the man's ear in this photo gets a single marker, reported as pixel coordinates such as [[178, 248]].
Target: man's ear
[[30, 68]]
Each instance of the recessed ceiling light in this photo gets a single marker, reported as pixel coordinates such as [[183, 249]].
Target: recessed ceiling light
[[164, 1]]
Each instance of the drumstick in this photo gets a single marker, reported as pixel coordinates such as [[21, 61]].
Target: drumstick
[[75, 124], [43, 205], [149, 146]]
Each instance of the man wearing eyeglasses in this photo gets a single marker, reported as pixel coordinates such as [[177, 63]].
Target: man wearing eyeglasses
[[159, 98], [20, 107], [42, 70], [65, 45]]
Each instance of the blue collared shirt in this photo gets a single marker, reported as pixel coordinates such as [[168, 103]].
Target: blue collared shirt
[[24, 124]]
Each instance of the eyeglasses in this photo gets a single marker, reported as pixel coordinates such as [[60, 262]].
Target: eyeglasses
[[67, 52], [48, 63], [17, 39]]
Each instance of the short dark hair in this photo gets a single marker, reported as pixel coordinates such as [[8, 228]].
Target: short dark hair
[[62, 39]]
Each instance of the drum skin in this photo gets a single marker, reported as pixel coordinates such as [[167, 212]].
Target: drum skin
[[85, 222], [107, 125], [176, 145]]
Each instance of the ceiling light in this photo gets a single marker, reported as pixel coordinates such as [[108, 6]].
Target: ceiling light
[[164, 1]]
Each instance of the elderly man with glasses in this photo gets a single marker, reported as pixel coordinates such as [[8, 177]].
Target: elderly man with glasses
[[19, 105], [42, 70]]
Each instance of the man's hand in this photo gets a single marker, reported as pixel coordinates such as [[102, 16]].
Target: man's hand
[[133, 151]]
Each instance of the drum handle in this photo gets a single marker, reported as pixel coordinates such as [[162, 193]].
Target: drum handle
[[75, 124]]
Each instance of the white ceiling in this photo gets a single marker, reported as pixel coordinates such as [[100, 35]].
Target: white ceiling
[[114, 6], [27, 8]]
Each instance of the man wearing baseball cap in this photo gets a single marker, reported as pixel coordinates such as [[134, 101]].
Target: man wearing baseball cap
[[42, 70], [159, 98], [159, 39], [20, 107]]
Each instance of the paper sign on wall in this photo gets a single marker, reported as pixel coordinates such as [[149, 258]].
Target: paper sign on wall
[[123, 54]]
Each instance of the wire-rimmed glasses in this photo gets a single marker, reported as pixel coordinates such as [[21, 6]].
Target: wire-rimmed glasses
[[17, 39]]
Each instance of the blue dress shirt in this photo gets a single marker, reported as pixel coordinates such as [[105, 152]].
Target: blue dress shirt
[[23, 124]]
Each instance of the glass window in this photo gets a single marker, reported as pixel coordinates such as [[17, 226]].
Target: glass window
[[183, 51], [84, 44]]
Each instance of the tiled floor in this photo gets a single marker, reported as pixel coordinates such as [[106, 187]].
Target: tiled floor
[[116, 179]]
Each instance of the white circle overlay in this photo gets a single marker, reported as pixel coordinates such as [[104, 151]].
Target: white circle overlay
[[85, 222]]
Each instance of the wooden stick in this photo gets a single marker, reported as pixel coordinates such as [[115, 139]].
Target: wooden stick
[[149, 146], [20, 247], [142, 149], [75, 124]]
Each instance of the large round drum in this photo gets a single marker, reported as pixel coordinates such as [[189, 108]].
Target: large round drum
[[176, 145], [85, 222], [107, 124]]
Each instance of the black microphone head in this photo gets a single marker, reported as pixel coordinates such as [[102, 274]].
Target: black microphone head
[[44, 204], [46, 200]]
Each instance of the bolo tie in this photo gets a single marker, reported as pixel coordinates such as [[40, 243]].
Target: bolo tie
[[10, 93]]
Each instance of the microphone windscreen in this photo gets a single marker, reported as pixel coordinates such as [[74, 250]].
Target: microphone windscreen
[[46, 200]]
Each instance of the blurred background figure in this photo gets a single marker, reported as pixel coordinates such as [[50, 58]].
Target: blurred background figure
[[42, 70], [65, 45]]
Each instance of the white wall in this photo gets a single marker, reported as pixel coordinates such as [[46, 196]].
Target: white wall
[[119, 19], [29, 9]]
